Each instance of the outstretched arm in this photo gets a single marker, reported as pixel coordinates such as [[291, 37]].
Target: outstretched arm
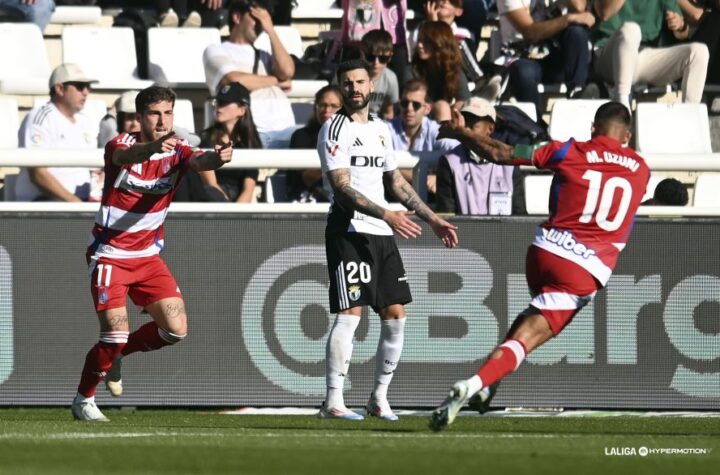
[[212, 160], [398, 185], [488, 148]]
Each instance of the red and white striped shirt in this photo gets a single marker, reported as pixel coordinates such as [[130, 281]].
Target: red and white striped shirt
[[135, 200]]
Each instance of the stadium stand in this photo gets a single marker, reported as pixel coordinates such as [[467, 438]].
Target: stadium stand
[[106, 54], [706, 190], [184, 116], [573, 118], [537, 193], [9, 119], [76, 15], [175, 55], [26, 69], [290, 38], [672, 128]]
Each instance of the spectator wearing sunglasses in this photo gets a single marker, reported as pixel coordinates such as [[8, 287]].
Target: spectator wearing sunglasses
[[413, 130], [58, 124], [377, 49]]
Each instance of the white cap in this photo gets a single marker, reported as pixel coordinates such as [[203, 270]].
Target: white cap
[[479, 107], [68, 72], [126, 102]]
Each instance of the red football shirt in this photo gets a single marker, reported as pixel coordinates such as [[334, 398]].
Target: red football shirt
[[597, 188], [135, 200]]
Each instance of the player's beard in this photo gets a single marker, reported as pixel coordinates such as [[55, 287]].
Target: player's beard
[[352, 106]]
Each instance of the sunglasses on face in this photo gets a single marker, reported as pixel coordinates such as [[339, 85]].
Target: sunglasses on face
[[405, 103], [80, 86], [383, 58]]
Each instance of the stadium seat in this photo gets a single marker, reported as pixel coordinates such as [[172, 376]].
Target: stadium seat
[[209, 110], [290, 38], [672, 128], [184, 116], [10, 122], [302, 111], [76, 15], [105, 54], [537, 193], [573, 119], [24, 65], [305, 88], [706, 191], [175, 55]]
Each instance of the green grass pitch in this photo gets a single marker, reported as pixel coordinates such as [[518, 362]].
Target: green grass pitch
[[48, 441]]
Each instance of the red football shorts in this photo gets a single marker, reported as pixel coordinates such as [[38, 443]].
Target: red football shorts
[[559, 288], [144, 279]]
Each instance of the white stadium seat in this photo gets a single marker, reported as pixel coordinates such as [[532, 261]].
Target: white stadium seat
[[305, 88], [75, 15], [707, 192], [24, 65], [209, 110], [10, 122], [184, 116], [105, 54], [672, 128], [537, 193], [290, 38], [302, 111], [652, 184], [175, 55], [573, 119]]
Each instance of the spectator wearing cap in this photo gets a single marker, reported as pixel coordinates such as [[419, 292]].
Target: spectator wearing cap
[[468, 184], [233, 123], [58, 124], [30, 11], [265, 75], [669, 192]]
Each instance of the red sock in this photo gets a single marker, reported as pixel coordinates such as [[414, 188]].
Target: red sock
[[149, 337], [513, 353], [97, 362]]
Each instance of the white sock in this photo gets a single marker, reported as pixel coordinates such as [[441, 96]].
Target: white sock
[[338, 352], [80, 398], [475, 384], [387, 357]]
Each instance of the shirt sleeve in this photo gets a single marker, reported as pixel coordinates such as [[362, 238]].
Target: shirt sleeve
[[121, 142], [333, 144], [35, 135], [217, 64], [548, 156], [390, 158]]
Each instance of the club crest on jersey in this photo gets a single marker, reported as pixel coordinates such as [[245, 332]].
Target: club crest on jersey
[[382, 140], [354, 292], [102, 295], [166, 165], [333, 150]]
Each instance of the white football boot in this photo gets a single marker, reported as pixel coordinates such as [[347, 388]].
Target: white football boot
[[338, 413], [380, 409], [444, 415], [87, 411]]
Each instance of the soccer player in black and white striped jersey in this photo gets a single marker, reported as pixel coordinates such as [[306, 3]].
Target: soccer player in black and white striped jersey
[[365, 267]]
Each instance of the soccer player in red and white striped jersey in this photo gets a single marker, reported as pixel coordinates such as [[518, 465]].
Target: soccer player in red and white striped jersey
[[142, 172], [597, 188]]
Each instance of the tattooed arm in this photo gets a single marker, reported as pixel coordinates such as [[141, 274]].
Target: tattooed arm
[[398, 185]]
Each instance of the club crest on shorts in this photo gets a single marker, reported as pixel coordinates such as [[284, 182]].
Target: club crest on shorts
[[354, 292], [102, 295]]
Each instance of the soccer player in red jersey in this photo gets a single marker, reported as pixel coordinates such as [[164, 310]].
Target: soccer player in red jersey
[[595, 193], [142, 172]]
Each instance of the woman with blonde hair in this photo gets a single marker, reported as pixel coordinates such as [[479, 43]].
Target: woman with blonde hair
[[437, 61]]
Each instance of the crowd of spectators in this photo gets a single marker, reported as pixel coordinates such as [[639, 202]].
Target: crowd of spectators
[[421, 78]]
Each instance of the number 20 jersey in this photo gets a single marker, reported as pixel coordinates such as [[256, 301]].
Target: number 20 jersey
[[597, 188]]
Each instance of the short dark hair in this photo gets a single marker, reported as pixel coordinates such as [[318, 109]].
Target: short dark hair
[[326, 90], [375, 40], [415, 85], [670, 192], [151, 95], [351, 65], [243, 6], [612, 112]]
